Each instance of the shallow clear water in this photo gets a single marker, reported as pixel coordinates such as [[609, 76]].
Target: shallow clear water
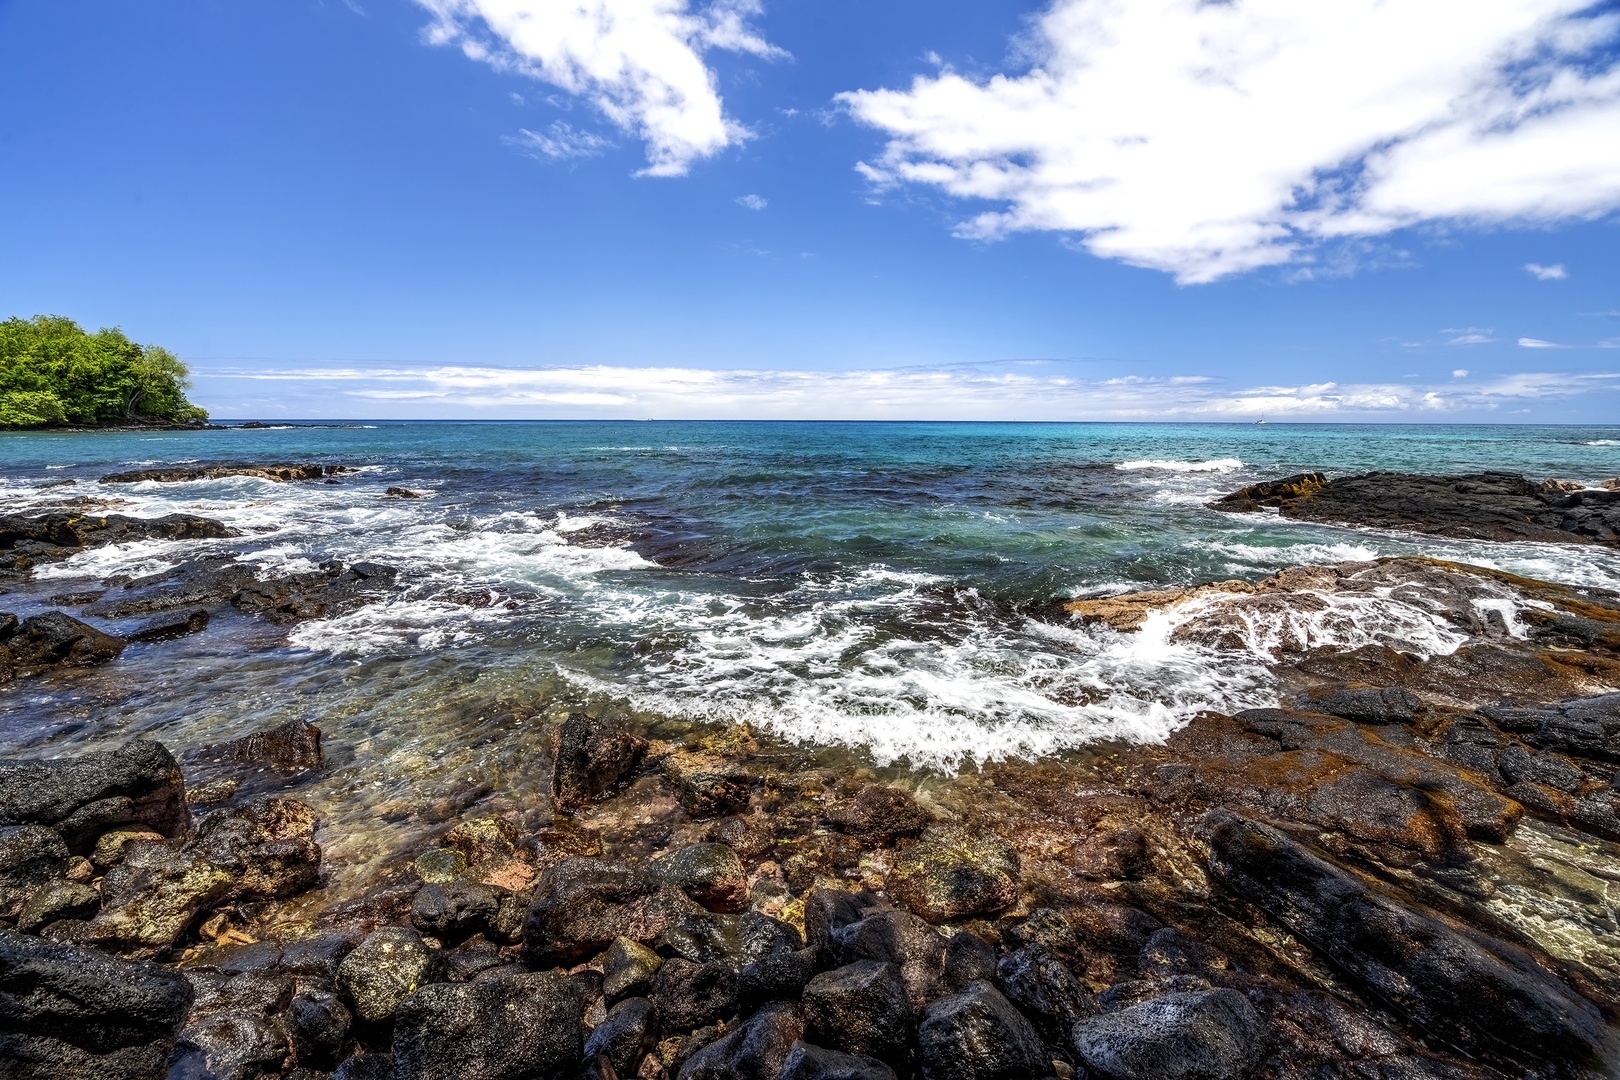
[[882, 587]]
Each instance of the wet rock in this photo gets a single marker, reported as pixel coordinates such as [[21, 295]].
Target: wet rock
[[288, 748], [279, 472], [441, 866], [1209, 1035], [1129, 611], [899, 938], [54, 639], [70, 532], [55, 901], [1169, 953], [30, 856], [318, 1027], [749, 837], [262, 851], [365, 1067], [1477, 992], [690, 995], [628, 968], [382, 971], [169, 627], [71, 1012], [629, 1032], [109, 849], [84, 796], [978, 1035], [950, 874], [511, 1028], [483, 840], [808, 1062], [732, 940], [401, 493], [708, 785], [580, 905], [470, 959], [231, 1045], [1585, 727], [829, 910], [453, 911], [589, 756], [968, 958], [778, 976], [755, 1051], [1363, 703], [880, 813], [861, 1008], [1047, 992], [711, 874]]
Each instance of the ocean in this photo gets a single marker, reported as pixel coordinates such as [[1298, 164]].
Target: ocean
[[886, 591]]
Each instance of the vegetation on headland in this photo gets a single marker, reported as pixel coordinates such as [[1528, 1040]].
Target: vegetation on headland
[[52, 372]]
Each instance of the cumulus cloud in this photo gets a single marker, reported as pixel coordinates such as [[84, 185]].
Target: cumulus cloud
[[1024, 390], [753, 202], [639, 62], [1210, 138], [1547, 273]]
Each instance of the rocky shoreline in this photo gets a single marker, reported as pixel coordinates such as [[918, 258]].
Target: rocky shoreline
[[1404, 870]]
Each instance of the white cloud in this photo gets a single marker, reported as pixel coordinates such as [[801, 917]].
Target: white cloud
[[560, 142], [1537, 343], [1206, 138], [753, 202], [1473, 337], [640, 62], [1547, 273], [1460, 373], [1025, 390]]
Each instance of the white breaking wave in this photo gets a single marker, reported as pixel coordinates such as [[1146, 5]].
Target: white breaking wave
[[1604, 442], [1218, 465]]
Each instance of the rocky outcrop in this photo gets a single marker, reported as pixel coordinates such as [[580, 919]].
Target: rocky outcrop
[[82, 797], [280, 473], [1482, 506]]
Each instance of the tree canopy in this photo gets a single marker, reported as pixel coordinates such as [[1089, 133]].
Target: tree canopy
[[53, 372]]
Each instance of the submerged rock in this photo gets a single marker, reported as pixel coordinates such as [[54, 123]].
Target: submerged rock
[[881, 813], [84, 796], [292, 747], [168, 627]]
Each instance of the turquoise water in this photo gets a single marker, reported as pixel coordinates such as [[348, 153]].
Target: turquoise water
[[884, 587]]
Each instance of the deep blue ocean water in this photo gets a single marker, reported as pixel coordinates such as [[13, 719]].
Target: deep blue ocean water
[[887, 588]]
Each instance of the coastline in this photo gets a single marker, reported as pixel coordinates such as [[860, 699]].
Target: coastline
[[1267, 887]]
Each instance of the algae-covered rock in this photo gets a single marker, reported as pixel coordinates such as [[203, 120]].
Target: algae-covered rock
[[483, 840], [57, 900], [30, 856], [628, 968], [383, 970], [880, 813], [589, 756], [440, 866], [711, 874], [951, 874]]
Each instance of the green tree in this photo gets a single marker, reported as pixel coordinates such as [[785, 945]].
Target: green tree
[[52, 371]]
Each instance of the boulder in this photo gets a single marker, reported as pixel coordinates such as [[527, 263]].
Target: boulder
[[589, 756], [318, 1027], [1207, 1035], [382, 971], [516, 1027], [880, 813], [732, 940], [55, 901], [778, 976], [899, 938], [56, 639], [1363, 703], [978, 1035], [711, 874], [708, 785], [691, 995], [455, 911], [231, 1045], [581, 905], [629, 1032], [483, 840], [1474, 991], [82, 797], [628, 968], [1047, 992], [30, 856], [950, 874], [756, 1051], [68, 1013], [861, 1008], [829, 910], [968, 958], [809, 1062]]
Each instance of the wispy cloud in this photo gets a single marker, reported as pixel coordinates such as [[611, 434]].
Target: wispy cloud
[[1207, 139], [1537, 343], [639, 62], [1547, 273], [753, 202], [561, 142], [1472, 337], [1025, 390]]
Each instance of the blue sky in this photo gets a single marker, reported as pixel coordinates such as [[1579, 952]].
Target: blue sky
[[1077, 209]]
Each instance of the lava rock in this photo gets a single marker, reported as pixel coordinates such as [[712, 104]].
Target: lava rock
[[778, 976], [70, 1012], [1363, 703], [454, 911], [292, 747], [756, 1051], [1047, 992], [881, 813], [708, 785], [628, 967], [483, 840], [230, 1045], [1585, 727], [56, 639], [689, 995], [511, 1028], [318, 1025], [581, 905], [1477, 992], [968, 958], [82, 797], [30, 856], [711, 874], [401, 493], [899, 938], [978, 1035], [629, 1031], [861, 1008], [279, 472], [382, 971], [1209, 1035], [951, 874], [829, 910], [589, 756], [57, 900], [808, 1062], [169, 627]]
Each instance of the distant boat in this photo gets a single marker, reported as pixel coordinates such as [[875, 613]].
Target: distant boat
[[1261, 420]]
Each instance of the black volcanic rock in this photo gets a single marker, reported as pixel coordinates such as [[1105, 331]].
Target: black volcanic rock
[[82, 797]]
